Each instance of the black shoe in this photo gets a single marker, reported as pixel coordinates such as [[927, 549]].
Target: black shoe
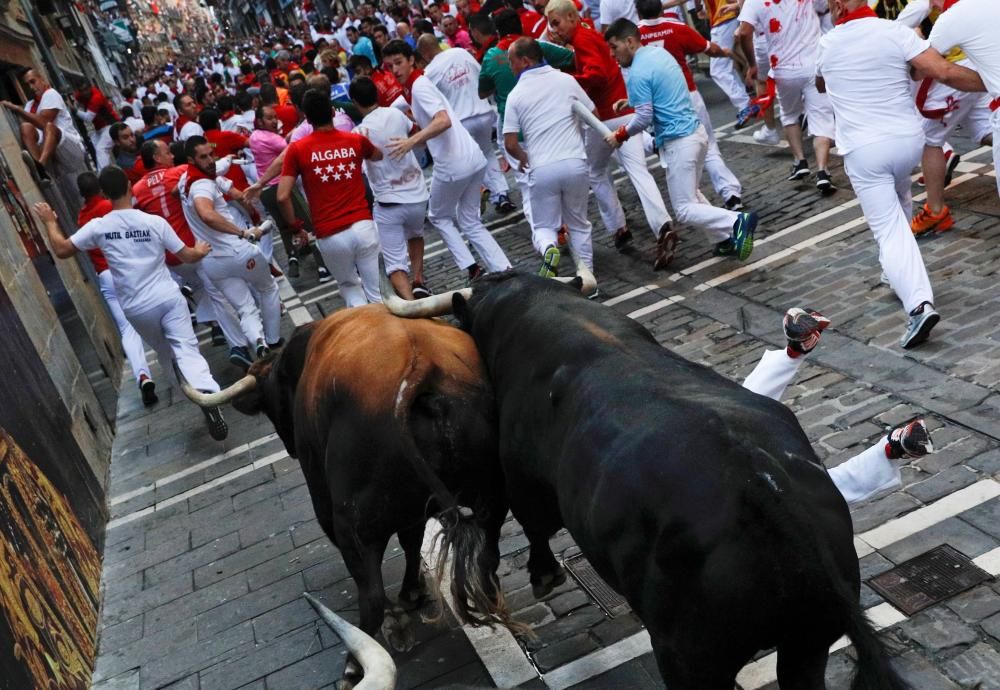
[[734, 203], [909, 440], [324, 275], [824, 184], [218, 337], [420, 291], [277, 345], [504, 205], [217, 427], [147, 388], [800, 171], [293, 267], [187, 291], [475, 272], [951, 163], [36, 169], [262, 349], [623, 237], [240, 356]]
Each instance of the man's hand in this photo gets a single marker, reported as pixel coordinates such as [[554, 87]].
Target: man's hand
[[252, 192], [44, 211], [751, 77], [10, 106], [612, 140], [399, 147], [620, 105], [202, 249]]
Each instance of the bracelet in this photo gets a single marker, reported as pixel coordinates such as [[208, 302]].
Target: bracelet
[[621, 134]]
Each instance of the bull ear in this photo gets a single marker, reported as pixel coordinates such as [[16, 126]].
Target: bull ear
[[460, 308]]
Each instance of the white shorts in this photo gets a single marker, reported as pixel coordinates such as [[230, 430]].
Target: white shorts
[[398, 223], [798, 96], [944, 109]]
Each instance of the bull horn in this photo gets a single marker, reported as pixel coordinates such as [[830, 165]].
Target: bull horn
[[379, 668], [435, 305], [244, 385]]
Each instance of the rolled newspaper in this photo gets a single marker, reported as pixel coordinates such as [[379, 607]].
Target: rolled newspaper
[[581, 111]]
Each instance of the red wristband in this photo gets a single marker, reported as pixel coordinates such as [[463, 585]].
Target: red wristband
[[621, 134]]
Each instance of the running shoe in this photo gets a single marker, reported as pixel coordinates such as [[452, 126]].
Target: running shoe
[[743, 230], [666, 247], [504, 205], [952, 159], [147, 388], [724, 248], [324, 275], [734, 203], [803, 328], [824, 184], [799, 171], [909, 440], [293, 267], [217, 427], [475, 272], [420, 291], [562, 237], [918, 326], [218, 337], [550, 262], [240, 357], [623, 237], [925, 221], [767, 136], [262, 349]]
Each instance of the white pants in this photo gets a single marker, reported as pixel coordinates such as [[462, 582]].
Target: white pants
[[683, 159], [995, 122], [210, 303], [454, 206], [523, 182], [398, 223], [559, 191], [632, 158], [970, 110], [103, 145], [723, 179], [723, 71], [131, 341], [235, 275], [797, 95], [167, 329], [857, 478], [352, 257], [880, 175], [480, 127]]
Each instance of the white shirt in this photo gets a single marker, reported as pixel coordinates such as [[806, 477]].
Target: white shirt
[[915, 12], [865, 64], [456, 74], [51, 100], [616, 9], [392, 181], [136, 124], [223, 243], [190, 129], [791, 32], [972, 25], [456, 154], [133, 242], [540, 106]]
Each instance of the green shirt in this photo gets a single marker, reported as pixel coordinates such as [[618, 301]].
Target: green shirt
[[496, 76]]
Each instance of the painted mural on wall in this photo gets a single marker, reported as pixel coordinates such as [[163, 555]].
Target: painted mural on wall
[[17, 208], [49, 579]]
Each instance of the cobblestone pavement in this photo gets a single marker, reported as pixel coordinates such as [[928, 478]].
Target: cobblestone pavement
[[211, 545]]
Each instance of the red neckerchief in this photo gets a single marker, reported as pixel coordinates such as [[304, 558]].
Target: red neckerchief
[[948, 4], [504, 43], [863, 12], [179, 125], [228, 114], [194, 174], [481, 53], [408, 86]]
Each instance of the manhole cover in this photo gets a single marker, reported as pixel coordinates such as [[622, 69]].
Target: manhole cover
[[927, 579], [610, 601]]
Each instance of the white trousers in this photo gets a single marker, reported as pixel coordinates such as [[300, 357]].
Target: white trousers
[[723, 179], [559, 192], [970, 110], [454, 206], [167, 329], [857, 478], [352, 257], [995, 122], [683, 159], [480, 127], [632, 158], [797, 96], [523, 182], [131, 341], [210, 303], [723, 71], [398, 223], [880, 175], [235, 275]]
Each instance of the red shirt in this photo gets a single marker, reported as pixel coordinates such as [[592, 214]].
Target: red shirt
[[104, 113], [529, 18], [679, 40], [226, 143], [329, 162], [155, 194], [135, 173], [289, 117], [598, 72], [388, 87], [94, 207]]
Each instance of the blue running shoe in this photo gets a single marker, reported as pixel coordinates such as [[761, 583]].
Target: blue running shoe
[[743, 230]]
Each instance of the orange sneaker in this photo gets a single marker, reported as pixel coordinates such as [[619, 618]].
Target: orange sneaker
[[925, 221]]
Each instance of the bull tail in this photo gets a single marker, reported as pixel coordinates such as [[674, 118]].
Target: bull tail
[[874, 671]]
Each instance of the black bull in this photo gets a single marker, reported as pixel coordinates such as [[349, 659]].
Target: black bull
[[701, 502], [391, 421]]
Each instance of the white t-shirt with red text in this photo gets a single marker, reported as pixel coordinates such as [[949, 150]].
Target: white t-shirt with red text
[[791, 31], [394, 181]]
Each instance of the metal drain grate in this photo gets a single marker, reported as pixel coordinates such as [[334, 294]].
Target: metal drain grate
[[610, 601], [927, 579]]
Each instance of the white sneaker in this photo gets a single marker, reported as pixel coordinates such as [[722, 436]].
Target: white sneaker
[[766, 135]]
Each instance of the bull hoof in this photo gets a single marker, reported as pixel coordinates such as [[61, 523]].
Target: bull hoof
[[543, 586], [398, 633]]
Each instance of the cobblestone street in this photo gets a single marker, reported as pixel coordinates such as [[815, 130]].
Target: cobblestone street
[[211, 545]]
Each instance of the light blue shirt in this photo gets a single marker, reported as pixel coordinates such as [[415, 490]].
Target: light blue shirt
[[657, 79], [364, 47]]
